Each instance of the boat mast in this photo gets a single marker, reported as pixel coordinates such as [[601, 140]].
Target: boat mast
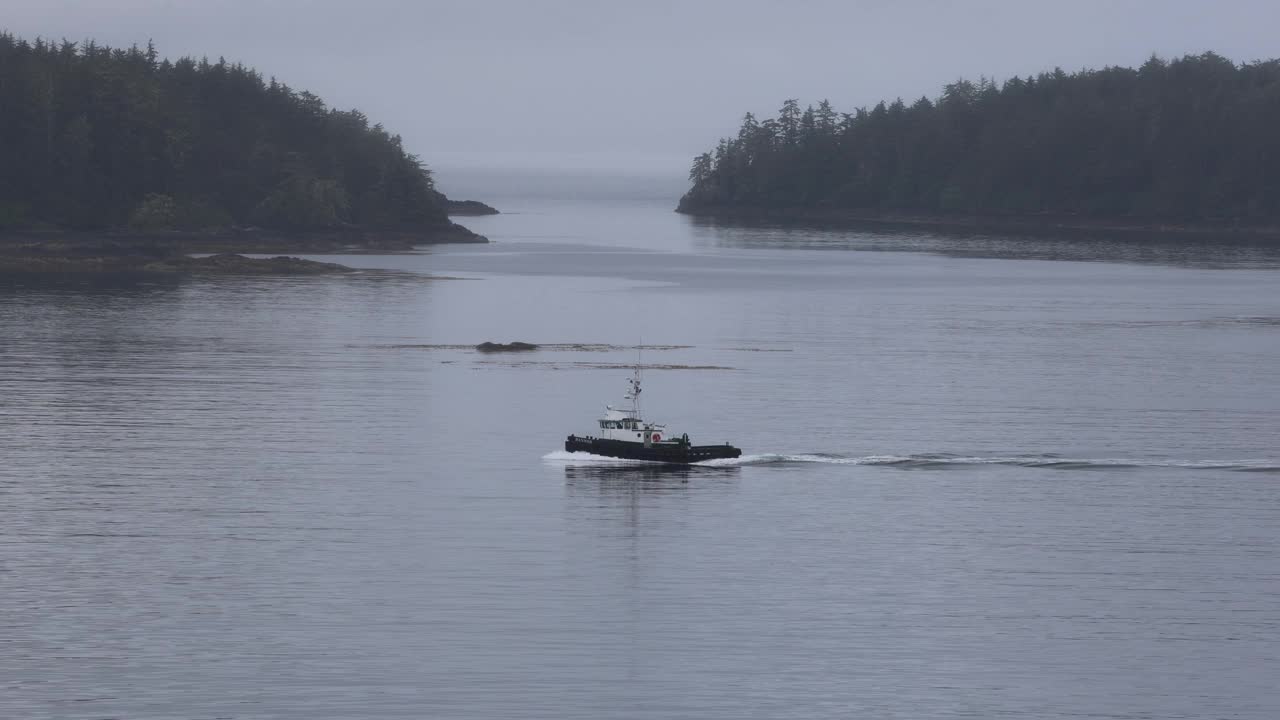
[[633, 393]]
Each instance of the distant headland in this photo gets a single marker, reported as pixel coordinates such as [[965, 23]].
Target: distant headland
[[157, 156], [1186, 146], [469, 207]]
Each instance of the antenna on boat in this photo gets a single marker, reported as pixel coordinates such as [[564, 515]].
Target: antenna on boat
[[633, 394]]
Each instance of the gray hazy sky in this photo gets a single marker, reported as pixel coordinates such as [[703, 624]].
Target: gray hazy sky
[[640, 85]]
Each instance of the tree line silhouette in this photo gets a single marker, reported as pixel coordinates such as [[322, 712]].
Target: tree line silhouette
[[1192, 139], [94, 137]]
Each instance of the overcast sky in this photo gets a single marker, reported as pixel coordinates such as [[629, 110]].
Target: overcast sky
[[641, 85]]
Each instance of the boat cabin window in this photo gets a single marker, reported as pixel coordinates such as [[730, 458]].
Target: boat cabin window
[[627, 424]]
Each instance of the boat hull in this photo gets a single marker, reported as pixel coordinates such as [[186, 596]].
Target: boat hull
[[667, 452]]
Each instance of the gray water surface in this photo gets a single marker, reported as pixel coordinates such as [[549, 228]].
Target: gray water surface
[[982, 478]]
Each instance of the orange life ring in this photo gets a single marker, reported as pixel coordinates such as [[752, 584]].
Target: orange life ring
[[657, 437]]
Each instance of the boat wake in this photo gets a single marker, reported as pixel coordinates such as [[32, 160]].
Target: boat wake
[[561, 457], [935, 461], [1050, 462]]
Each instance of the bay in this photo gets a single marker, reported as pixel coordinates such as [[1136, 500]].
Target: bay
[[982, 476]]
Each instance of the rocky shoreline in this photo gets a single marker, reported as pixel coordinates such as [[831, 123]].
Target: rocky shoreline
[[60, 251], [1037, 225], [219, 264], [232, 264]]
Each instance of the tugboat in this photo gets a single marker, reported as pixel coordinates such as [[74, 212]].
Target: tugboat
[[624, 434]]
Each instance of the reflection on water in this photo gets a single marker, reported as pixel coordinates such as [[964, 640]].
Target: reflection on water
[[646, 478], [1169, 249]]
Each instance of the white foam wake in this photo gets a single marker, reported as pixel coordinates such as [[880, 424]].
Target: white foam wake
[[562, 457]]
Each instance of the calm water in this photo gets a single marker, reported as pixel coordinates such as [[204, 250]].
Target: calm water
[[983, 478]]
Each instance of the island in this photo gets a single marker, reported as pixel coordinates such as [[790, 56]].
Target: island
[[118, 158], [1184, 146]]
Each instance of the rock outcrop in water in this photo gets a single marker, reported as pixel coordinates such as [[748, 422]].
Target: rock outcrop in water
[[492, 347], [469, 207]]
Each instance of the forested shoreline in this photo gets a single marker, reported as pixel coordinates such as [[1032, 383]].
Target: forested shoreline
[[1188, 143], [95, 139]]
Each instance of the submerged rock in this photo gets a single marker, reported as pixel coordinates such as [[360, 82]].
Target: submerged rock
[[490, 347]]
